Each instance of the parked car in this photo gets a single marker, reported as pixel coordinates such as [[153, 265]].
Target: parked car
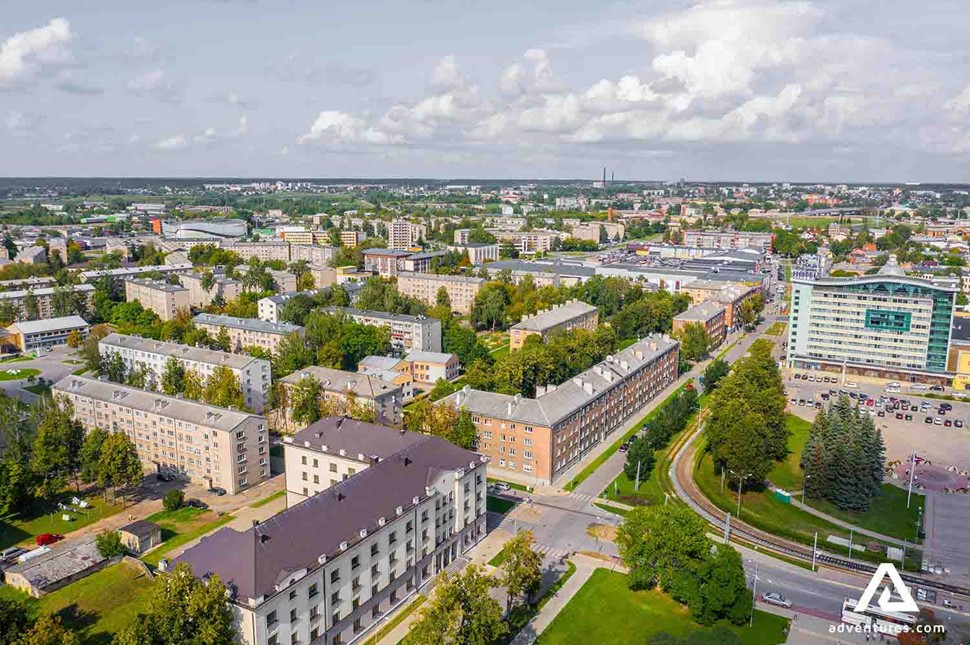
[[852, 384], [163, 477], [45, 539], [899, 415], [773, 598], [502, 486], [947, 423], [881, 413], [936, 388], [928, 420], [946, 406], [215, 490], [196, 503], [957, 423], [11, 554], [937, 421], [909, 417]]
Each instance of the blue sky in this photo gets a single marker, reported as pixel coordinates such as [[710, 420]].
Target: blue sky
[[719, 90]]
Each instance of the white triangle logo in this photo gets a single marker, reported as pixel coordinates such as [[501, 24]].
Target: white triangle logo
[[906, 602]]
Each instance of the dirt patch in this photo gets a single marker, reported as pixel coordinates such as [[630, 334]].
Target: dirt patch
[[603, 532]]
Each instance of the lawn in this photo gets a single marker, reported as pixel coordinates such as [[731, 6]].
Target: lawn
[[622, 512], [492, 480], [181, 527], [787, 474], [18, 374], [97, 606], [639, 613], [45, 517], [777, 328], [269, 498], [16, 359], [39, 390], [498, 504], [887, 514], [498, 558]]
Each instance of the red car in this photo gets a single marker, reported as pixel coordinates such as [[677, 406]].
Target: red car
[[45, 539]]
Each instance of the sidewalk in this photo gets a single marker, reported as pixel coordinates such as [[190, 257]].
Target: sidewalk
[[584, 569]]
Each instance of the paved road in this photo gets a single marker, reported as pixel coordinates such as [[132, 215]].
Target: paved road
[[51, 364]]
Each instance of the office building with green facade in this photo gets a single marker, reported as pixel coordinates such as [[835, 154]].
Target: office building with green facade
[[887, 325]]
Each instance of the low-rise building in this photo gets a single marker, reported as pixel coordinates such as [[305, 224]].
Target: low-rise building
[[712, 316], [574, 314], [390, 369], [36, 334], [136, 272], [264, 251], [428, 367], [385, 262], [533, 440], [727, 239], [283, 281], [343, 389], [407, 332], [32, 255], [269, 308], [351, 239], [58, 246], [254, 374], [421, 262], [247, 332], [218, 447], [478, 253], [140, 536], [327, 569], [163, 298], [55, 568], [21, 299], [424, 286]]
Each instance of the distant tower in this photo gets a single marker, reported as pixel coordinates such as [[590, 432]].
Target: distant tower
[[612, 177]]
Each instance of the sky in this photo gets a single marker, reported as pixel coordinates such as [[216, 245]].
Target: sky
[[718, 90]]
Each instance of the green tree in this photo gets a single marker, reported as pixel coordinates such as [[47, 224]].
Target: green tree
[[488, 308], [522, 569], [113, 368], [14, 620], [183, 609], [222, 388], [442, 299], [90, 456], [120, 466], [661, 543], [305, 400], [640, 455], [694, 342], [173, 375], [173, 500], [460, 612], [192, 386], [464, 433], [56, 453], [31, 306], [223, 341], [108, 543], [715, 371], [49, 630]]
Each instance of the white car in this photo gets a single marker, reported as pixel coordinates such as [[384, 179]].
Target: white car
[[851, 384], [917, 387], [776, 599]]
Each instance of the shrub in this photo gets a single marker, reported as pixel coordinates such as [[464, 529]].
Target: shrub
[[173, 500]]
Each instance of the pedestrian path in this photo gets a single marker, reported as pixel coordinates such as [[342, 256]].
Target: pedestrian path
[[848, 526], [584, 569], [553, 552]]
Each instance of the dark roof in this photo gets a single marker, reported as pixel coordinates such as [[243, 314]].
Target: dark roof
[[355, 437], [295, 538], [140, 528], [960, 331]]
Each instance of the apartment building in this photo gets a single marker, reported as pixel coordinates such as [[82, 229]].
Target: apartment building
[[302, 236], [247, 332], [712, 316], [477, 253], [283, 281], [125, 273], [528, 241], [351, 239], [43, 296], [390, 369], [314, 255], [424, 286], [421, 262], [254, 374], [727, 240], [223, 287], [574, 314], [407, 332], [269, 308], [887, 325], [461, 236], [385, 262], [265, 251], [161, 297], [404, 235], [328, 569], [342, 387], [218, 447], [534, 440], [58, 246], [32, 255]]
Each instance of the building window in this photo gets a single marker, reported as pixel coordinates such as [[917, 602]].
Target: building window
[[271, 619]]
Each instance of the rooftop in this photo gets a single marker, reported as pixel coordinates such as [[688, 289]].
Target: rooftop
[[388, 253], [350, 311], [177, 408], [421, 356], [333, 380], [303, 535], [162, 268], [702, 312], [357, 439], [51, 324], [62, 562], [440, 278], [186, 352], [44, 291], [140, 528], [251, 324], [379, 362], [558, 315], [161, 285]]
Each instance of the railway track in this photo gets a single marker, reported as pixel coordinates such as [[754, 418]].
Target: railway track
[[681, 476]]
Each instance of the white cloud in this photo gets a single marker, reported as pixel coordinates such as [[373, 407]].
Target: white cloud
[[447, 74], [19, 124], [155, 83], [178, 142], [28, 54], [959, 105], [535, 75], [332, 126]]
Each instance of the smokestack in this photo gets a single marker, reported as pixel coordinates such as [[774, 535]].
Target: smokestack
[[604, 176]]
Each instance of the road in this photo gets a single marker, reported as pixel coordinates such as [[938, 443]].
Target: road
[[53, 366]]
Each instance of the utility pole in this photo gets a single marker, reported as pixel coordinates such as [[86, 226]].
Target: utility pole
[[727, 529], [912, 473], [637, 487], [754, 593], [814, 551], [723, 470], [851, 530]]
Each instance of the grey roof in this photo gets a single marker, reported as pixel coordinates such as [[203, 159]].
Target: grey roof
[[51, 324], [178, 408], [383, 315], [426, 255], [296, 538], [368, 387], [161, 285], [550, 407], [558, 315], [379, 362], [62, 562], [126, 271], [702, 312], [891, 267], [558, 268], [358, 439], [140, 528], [186, 352], [253, 324], [388, 252], [433, 277], [422, 356], [960, 329], [44, 291]]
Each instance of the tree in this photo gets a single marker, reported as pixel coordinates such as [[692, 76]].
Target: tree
[[461, 612], [639, 459], [74, 339], [442, 299], [488, 308], [223, 341], [305, 400], [183, 609], [715, 371], [694, 342], [31, 306], [108, 543], [57, 447], [172, 376], [113, 367], [91, 450], [120, 464], [49, 630], [14, 620], [464, 433], [522, 569], [173, 500], [222, 388], [192, 386], [17, 478], [660, 543]]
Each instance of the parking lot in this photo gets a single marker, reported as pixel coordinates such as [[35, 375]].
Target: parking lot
[[941, 436]]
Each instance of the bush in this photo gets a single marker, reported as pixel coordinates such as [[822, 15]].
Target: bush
[[173, 500], [109, 544]]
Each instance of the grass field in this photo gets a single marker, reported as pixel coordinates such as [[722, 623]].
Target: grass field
[[16, 374], [887, 513], [809, 221], [498, 504], [181, 527], [97, 606], [16, 359], [269, 498], [497, 342], [605, 606], [787, 475], [45, 517], [622, 512], [776, 329]]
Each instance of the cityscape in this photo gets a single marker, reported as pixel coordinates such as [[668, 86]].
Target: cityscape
[[431, 344]]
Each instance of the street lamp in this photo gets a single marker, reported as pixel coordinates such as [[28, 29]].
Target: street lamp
[[741, 479], [807, 477]]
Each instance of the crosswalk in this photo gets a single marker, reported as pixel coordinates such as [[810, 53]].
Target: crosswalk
[[582, 497], [552, 552]]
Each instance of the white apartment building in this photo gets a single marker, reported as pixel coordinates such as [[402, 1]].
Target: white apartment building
[[403, 235], [477, 253], [226, 288], [424, 286], [265, 251], [326, 570], [134, 272], [43, 295], [254, 374], [407, 332], [161, 297], [216, 446], [247, 332], [314, 255]]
